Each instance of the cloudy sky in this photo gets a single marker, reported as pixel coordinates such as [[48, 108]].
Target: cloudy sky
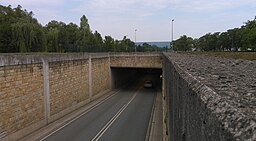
[[151, 18]]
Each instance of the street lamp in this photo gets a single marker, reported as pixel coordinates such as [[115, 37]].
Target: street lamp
[[125, 41], [172, 34], [135, 41]]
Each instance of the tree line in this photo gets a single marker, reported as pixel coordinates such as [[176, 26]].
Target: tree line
[[21, 32], [237, 39]]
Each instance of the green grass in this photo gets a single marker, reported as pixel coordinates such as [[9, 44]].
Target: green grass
[[225, 54]]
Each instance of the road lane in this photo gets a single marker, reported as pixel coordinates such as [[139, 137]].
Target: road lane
[[133, 123], [114, 118], [89, 125]]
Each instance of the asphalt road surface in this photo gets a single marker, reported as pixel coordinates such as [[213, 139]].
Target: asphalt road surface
[[123, 117]]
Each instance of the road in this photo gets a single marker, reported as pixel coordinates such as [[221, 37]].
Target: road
[[122, 117]]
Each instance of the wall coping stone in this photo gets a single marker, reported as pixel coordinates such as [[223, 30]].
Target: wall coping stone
[[135, 54], [29, 58]]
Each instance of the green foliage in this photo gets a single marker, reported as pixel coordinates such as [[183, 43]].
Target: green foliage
[[149, 48], [243, 38], [249, 38], [19, 31], [109, 43], [84, 25], [97, 42], [184, 43]]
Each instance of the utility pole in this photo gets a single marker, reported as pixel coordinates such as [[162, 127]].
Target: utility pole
[[172, 35], [135, 41]]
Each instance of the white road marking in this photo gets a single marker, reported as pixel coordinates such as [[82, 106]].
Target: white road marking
[[113, 119], [93, 107]]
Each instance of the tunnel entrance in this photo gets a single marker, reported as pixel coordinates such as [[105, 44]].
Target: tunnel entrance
[[127, 76]]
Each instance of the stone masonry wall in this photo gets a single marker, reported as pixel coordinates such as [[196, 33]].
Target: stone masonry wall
[[69, 84], [21, 97], [100, 75], [38, 89], [210, 98], [136, 60]]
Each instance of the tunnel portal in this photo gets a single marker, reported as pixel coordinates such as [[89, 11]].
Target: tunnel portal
[[122, 76]]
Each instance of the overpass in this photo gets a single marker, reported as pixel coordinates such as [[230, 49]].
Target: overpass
[[39, 90]]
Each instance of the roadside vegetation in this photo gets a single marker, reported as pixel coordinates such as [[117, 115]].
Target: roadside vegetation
[[237, 39], [21, 32]]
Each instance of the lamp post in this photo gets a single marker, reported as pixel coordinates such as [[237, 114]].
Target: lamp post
[[125, 41], [172, 34], [135, 41]]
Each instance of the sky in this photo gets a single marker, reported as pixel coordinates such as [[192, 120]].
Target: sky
[[151, 18]]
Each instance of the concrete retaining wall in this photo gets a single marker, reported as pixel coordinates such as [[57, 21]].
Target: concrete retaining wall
[[196, 111]]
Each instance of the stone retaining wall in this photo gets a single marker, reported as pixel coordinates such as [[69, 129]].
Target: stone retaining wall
[[36, 89], [140, 60], [100, 75], [210, 98], [69, 84], [21, 97]]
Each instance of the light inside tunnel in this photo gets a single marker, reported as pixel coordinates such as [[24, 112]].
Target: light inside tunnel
[[128, 76]]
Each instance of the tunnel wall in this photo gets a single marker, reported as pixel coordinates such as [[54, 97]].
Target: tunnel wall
[[190, 115]]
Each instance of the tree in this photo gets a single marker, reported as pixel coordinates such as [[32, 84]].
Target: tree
[[117, 46], [19, 31], [57, 39], [224, 40], [109, 43], [84, 25], [235, 37], [72, 31], [6, 18], [249, 36], [184, 43], [97, 42], [84, 35]]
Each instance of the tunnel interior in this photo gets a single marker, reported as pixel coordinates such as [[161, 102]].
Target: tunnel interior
[[130, 76]]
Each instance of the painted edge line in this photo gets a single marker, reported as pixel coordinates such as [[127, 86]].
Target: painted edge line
[[151, 118], [80, 115]]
